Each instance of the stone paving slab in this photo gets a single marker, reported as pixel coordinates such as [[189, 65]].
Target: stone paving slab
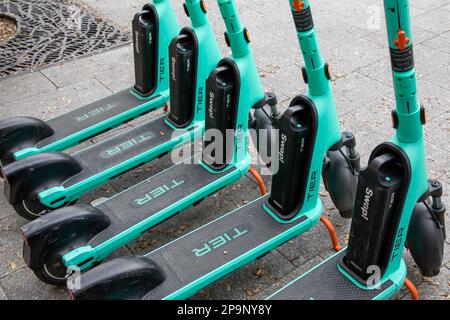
[[2, 295], [446, 198], [69, 73], [118, 11], [23, 285], [429, 5], [437, 288], [57, 101], [363, 90], [372, 132], [437, 161], [351, 56], [26, 86], [351, 95], [439, 133], [380, 70], [283, 82], [306, 246], [10, 245], [435, 98], [439, 42], [435, 20], [5, 208]]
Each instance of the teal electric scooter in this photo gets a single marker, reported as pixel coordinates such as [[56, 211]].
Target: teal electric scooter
[[308, 133], [393, 196], [80, 237], [41, 183], [153, 29]]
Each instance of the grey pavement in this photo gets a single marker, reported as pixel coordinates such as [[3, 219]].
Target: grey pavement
[[353, 40]]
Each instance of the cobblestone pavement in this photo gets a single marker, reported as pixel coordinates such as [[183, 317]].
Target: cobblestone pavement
[[352, 36]]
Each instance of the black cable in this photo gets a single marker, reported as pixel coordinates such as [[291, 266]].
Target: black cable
[[270, 118], [348, 162]]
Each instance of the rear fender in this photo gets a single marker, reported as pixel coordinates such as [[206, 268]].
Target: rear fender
[[33, 174], [60, 230], [19, 133], [126, 278]]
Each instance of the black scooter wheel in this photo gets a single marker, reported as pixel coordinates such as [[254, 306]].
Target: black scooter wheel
[[31, 209], [425, 241], [6, 161], [340, 181], [53, 272], [263, 121]]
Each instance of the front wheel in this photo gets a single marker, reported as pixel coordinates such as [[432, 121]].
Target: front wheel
[[341, 180], [264, 139], [425, 240]]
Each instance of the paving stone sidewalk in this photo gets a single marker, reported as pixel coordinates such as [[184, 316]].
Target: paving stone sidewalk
[[352, 37]]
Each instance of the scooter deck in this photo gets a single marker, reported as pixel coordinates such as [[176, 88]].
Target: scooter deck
[[150, 198], [111, 152], [216, 249], [88, 116], [326, 282]]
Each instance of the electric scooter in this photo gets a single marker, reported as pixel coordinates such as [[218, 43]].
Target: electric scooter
[[41, 183], [153, 28], [80, 237], [308, 130], [393, 196]]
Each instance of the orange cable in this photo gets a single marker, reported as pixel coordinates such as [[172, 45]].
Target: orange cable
[[260, 181], [412, 289], [332, 231]]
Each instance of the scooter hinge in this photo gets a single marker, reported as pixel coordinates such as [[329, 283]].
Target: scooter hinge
[[348, 140], [437, 208], [271, 99], [435, 189]]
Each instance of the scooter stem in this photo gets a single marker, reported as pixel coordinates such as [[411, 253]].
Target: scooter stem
[[318, 83], [236, 33], [197, 12], [408, 113]]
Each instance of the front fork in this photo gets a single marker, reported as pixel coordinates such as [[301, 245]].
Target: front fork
[[348, 142], [437, 207], [426, 232]]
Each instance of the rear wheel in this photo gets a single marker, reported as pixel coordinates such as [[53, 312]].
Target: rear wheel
[[6, 161], [32, 209], [53, 272]]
